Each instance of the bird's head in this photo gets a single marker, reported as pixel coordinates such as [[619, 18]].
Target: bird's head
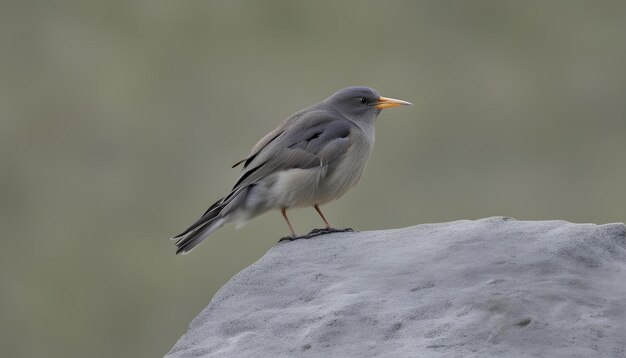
[[361, 103]]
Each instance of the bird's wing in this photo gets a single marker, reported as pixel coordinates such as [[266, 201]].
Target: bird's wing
[[273, 135], [316, 138], [267, 139]]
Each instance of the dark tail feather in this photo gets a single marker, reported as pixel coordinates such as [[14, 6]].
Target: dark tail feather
[[194, 238], [214, 218], [210, 214], [199, 230]]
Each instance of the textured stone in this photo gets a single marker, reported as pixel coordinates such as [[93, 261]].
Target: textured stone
[[495, 287]]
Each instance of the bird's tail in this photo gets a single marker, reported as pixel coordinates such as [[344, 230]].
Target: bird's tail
[[214, 218], [201, 229]]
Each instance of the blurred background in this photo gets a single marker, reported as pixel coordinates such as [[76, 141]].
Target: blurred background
[[119, 121]]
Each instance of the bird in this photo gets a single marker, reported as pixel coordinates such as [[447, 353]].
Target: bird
[[313, 157]]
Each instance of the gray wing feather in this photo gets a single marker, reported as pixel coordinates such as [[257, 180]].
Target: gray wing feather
[[317, 138], [267, 139], [274, 134]]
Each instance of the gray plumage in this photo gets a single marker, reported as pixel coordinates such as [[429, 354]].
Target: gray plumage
[[313, 157]]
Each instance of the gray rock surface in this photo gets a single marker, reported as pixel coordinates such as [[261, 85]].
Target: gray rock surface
[[494, 287]]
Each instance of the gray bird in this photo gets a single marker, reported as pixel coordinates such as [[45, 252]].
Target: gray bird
[[313, 157]]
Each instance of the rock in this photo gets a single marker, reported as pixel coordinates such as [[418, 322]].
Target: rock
[[494, 287]]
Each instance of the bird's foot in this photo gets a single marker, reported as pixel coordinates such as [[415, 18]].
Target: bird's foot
[[315, 233], [294, 238], [327, 230], [289, 238]]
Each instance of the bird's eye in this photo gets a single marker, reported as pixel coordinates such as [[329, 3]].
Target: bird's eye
[[363, 100]]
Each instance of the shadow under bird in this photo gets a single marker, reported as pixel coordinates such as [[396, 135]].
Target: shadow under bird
[[313, 157]]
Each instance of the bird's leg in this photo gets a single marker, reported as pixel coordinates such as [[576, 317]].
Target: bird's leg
[[328, 226], [293, 232], [284, 212], [316, 232], [329, 229]]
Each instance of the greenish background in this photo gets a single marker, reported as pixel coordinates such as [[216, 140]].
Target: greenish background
[[120, 120]]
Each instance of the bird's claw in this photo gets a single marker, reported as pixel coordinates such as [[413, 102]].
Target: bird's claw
[[328, 230], [315, 233], [294, 238], [288, 238]]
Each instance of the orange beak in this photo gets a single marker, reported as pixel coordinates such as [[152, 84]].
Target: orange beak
[[384, 102]]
